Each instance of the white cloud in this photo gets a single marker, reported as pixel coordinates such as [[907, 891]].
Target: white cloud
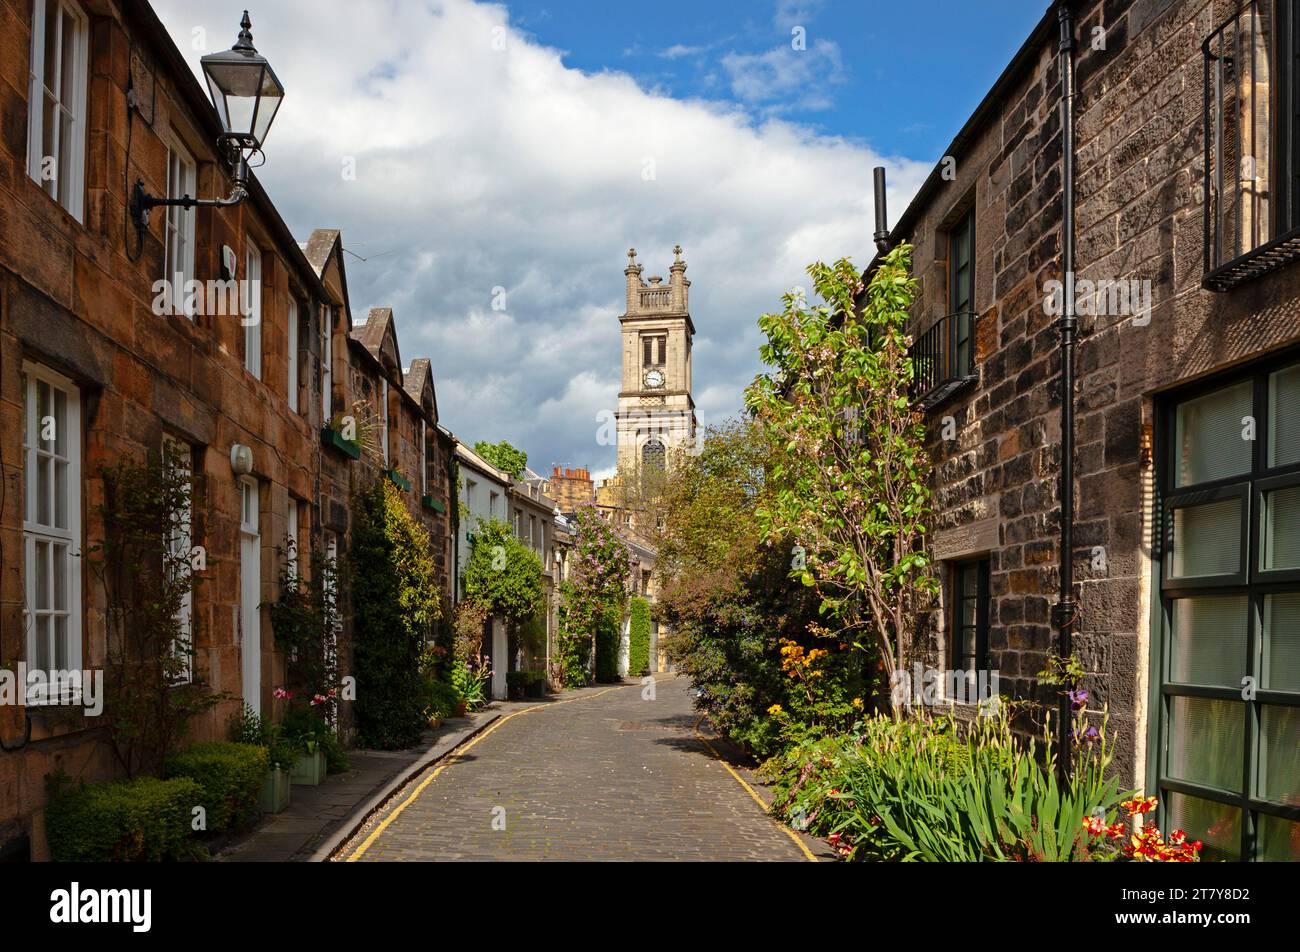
[[785, 77], [479, 167]]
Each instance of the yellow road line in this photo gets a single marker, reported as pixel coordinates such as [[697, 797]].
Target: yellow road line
[[808, 854], [455, 755]]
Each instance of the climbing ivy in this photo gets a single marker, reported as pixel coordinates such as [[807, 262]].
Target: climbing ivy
[[395, 605], [638, 652], [592, 600]]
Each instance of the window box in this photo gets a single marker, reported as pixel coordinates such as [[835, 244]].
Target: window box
[[332, 437], [400, 481], [430, 503]]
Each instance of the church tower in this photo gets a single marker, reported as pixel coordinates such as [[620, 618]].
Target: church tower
[[656, 413]]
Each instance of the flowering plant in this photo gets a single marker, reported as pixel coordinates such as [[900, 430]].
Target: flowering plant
[[1145, 843]]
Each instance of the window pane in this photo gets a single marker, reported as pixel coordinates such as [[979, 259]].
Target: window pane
[[52, 45], [1281, 639], [1279, 754], [1205, 738], [44, 479], [42, 579], [66, 176], [1217, 825], [1284, 417], [1207, 540], [1278, 839], [68, 87], [61, 645], [1208, 436], [49, 146], [1280, 532], [1209, 641], [60, 495], [60, 577], [43, 642]]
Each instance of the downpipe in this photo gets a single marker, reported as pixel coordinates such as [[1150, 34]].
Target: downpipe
[[1065, 613]]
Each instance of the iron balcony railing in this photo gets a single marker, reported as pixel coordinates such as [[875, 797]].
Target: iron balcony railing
[[1250, 179], [943, 359]]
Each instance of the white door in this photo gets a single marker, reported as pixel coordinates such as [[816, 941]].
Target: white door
[[250, 592], [625, 648], [500, 659]]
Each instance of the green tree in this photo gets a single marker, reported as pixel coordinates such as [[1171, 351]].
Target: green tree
[[503, 456], [395, 604], [852, 476], [503, 574], [734, 613]]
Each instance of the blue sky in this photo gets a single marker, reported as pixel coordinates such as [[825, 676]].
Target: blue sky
[[469, 147], [905, 78]]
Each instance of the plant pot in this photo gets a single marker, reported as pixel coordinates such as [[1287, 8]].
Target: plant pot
[[309, 770], [274, 797], [435, 722], [462, 708]]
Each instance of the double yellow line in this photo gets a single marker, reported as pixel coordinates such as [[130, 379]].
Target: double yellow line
[[458, 752]]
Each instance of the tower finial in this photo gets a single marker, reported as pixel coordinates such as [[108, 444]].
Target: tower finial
[[677, 250], [632, 255]]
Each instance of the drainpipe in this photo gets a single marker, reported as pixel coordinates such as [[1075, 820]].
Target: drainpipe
[[1065, 613]]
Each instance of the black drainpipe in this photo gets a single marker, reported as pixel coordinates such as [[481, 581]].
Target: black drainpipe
[[1065, 614]]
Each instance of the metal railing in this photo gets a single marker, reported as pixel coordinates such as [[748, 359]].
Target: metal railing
[[943, 359], [1248, 225]]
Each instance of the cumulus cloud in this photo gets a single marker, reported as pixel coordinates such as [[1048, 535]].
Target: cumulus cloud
[[483, 162]]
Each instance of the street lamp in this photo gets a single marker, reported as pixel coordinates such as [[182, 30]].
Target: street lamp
[[246, 94]]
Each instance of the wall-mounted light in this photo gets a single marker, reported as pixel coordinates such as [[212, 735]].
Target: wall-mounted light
[[241, 460], [246, 94]]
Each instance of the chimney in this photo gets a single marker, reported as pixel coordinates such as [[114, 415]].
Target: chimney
[[882, 213]]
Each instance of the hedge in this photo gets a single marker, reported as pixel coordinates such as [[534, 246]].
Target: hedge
[[638, 652], [141, 820], [230, 776]]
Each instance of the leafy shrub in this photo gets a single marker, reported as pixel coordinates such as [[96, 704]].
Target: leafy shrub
[[141, 820], [920, 790], [248, 727], [229, 775], [395, 602], [442, 699], [638, 652]]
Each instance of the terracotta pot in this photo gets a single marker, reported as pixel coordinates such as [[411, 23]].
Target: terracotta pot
[[462, 708]]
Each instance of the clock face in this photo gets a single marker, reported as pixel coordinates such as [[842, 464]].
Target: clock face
[[654, 379]]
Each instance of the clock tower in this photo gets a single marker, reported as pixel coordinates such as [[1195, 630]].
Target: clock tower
[[656, 413]]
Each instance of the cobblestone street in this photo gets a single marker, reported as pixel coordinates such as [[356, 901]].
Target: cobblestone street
[[599, 774]]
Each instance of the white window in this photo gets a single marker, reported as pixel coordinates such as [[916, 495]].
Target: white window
[[179, 246], [291, 553], [492, 505], [51, 522], [253, 313], [180, 457], [293, 355], [327, 364], [56, 128]]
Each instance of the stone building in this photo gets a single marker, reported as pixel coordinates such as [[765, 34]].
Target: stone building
[[108, 354], [1187, 468]]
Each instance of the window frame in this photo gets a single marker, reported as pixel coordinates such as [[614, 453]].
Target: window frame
[[961, 331], [76, 111], [179, 226], [178, 450], [254, 310], [1253, 585], [34, 532], [292, 354], [982, 566]]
